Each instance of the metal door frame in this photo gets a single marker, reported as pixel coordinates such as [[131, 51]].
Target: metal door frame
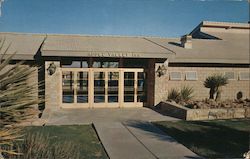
[[106, 104]]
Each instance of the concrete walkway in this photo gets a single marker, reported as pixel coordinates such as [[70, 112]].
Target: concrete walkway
[[139, 140], [125, 133], [89, 116]]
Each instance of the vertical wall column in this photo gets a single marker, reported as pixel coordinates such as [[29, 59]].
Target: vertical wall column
[[52, 86], [150, 83]]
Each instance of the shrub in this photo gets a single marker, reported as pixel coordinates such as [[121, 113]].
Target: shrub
[[17, 98], [36, 145], [239, 95], [186, 93], [174, 95]]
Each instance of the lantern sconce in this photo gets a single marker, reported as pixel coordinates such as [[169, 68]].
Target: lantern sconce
[[51, 69], [162, 70]]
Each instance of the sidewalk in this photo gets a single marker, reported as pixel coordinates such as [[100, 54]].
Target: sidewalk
[[139, 140]]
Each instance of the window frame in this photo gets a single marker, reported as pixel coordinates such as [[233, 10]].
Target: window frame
[[194, 79], [234, 78], [175, 79], [239, 76]]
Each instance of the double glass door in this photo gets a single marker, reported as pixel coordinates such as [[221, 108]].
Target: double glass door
[[102, 87]]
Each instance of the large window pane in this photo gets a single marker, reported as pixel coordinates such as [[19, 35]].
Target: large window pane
[[82, 87], [68, 87], [99, 87], [141, 87], [129, 81], [105, 64], [74, 64], [113, 84]]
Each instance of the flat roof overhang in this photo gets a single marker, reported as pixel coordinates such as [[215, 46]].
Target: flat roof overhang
[[108, 54]]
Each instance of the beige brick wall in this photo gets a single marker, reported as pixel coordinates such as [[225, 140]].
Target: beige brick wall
[[163, 84]]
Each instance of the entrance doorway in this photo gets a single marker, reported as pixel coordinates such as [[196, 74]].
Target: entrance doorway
[[102, 87]]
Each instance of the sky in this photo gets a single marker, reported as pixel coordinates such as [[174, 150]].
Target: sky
[[163, 18]]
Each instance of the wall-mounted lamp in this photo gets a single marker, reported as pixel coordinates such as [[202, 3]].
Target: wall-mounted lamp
[[51, 69], [162, 70]]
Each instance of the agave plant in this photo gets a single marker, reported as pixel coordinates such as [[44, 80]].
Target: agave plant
[[174, 95], [215, 82], [186, 93], [18, 96]]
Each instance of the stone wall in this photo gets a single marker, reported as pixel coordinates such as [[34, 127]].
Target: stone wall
[[163, 84], [52, 87], [181, 112]]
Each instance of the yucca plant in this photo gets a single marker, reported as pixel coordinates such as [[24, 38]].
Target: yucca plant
[[215, 82], [18, 96]]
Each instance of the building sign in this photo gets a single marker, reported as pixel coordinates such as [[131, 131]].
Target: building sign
[[112, 54]]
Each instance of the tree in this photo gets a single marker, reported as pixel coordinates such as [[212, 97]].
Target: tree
[[215, 82], [18, 96]]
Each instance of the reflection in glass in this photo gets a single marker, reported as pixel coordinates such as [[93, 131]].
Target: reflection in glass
[[140, 87], [82, 87], [113, 83], [74, 64], [105, 64], [68, 87], [129, 82], [99, 87]]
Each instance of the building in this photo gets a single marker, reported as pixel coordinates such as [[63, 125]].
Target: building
[[114, 71]]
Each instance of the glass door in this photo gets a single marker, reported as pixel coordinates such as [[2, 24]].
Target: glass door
[[68, 91], [129, 86], [106, 88], [113, 87], [99, 87], [102, 87], [75, 88], [134, 87], [141, 91], [82, 87]]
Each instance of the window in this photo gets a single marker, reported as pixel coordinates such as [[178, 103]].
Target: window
[[191, 76], [105, 64], [175, 76], [230, 75], [74, 64], [244, 76]]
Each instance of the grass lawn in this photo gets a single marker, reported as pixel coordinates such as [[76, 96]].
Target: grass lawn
[[211, 139], [82, 135]]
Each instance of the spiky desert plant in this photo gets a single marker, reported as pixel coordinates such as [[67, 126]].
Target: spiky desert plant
[[215, 82], [186, 93], [18, 96], [38, 145], [174, 95]]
